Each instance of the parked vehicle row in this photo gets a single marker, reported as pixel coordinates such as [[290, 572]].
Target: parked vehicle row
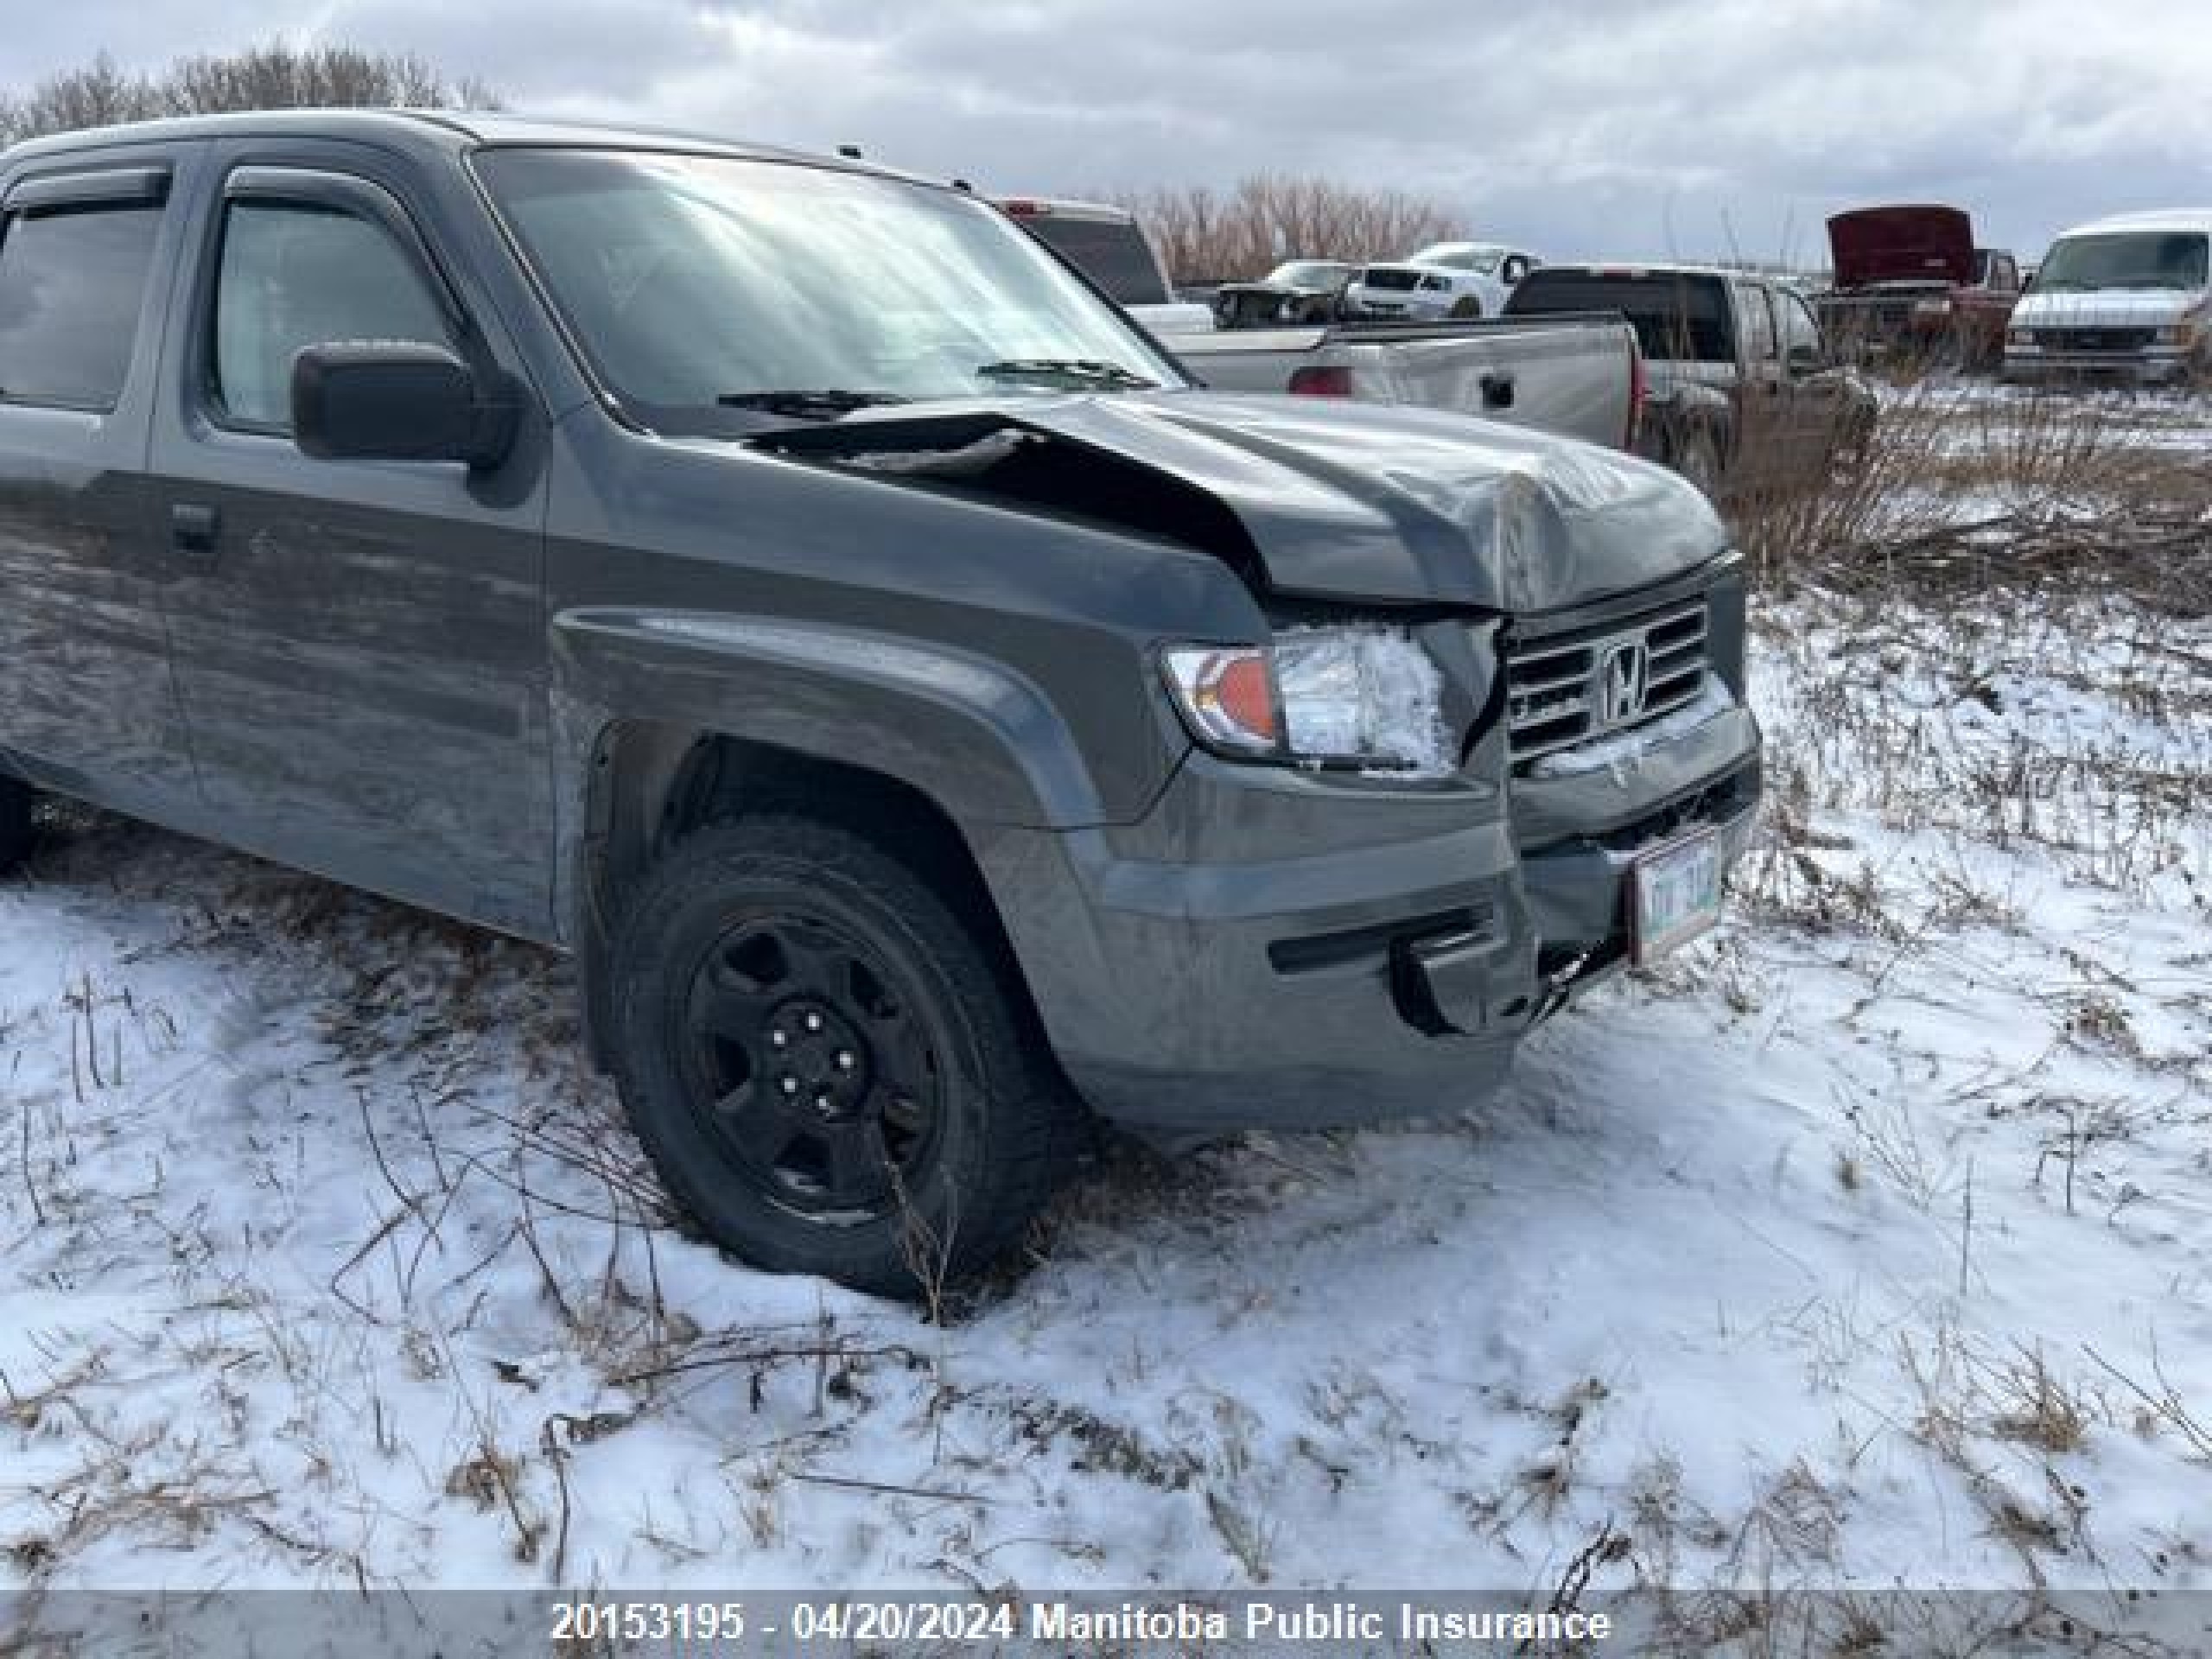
[[932, 722], [2125, 298], [1446, 281], [1575, 378], [1726, 376]]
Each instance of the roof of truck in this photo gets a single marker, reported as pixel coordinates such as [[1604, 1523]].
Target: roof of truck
[[2168, 218], [449, 130], [1103, 212]]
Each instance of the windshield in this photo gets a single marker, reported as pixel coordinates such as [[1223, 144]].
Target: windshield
[[1677, 317], [2123, 259], [1481, 261], [1112, 252], [1310, 273], [697, 285]]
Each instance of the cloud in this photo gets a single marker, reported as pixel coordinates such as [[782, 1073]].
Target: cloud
[[1592, 127]]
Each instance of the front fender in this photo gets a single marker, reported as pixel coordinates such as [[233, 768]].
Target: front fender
[[967, 731], [971, 733]]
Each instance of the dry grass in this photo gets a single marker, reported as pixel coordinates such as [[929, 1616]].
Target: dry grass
[[1954, 499]]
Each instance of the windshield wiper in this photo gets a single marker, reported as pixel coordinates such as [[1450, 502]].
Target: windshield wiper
[[1068, 370], [825, 403]]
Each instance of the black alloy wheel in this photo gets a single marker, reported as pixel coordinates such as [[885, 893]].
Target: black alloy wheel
[[812, 1065]]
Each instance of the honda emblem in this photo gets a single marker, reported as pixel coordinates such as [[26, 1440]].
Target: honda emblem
[[1624, 681]]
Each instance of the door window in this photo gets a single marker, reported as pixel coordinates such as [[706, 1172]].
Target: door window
[[73, 280], [298, 274], [1800, 332], [1758, 325]]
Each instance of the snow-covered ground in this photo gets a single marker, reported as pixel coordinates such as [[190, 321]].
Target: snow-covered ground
[[1868, 1245]]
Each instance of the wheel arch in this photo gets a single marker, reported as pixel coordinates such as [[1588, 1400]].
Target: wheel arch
[[652, 782]]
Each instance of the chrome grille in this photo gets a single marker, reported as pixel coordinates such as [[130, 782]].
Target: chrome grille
[[1556, 687], [2095, 340]]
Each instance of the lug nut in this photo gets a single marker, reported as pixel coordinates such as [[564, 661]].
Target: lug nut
[[778, 1038], [814, 1023], [821, 1101], [790, 1085], [844, 1059]]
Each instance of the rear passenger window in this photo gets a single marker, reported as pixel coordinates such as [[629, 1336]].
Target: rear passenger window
[[73, 279], [296, 275]]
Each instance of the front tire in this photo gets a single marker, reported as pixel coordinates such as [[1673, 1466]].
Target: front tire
[[832, 1072], [1467, 308], [15, 798]]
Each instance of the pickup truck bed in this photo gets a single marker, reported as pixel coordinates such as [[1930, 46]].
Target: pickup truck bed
[[1572, 376]]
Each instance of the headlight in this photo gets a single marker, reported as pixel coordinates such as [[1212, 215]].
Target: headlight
[[1932, 307], [1364, 698], [2182, 334], [2019, 337]]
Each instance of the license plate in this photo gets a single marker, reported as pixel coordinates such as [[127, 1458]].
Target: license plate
[[1677, 893]]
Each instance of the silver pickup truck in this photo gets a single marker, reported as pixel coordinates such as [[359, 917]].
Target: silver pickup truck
[[1578, 376]]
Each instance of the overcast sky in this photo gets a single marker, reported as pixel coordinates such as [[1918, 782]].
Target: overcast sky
[[1582, 127]]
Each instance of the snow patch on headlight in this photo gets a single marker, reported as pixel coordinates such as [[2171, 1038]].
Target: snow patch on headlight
[[1366, 697]]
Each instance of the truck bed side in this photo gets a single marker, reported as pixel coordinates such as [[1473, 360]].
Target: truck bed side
[[1572, 377]]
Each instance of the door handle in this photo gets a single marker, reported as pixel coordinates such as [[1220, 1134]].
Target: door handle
[[193, 529], [1497, 390]]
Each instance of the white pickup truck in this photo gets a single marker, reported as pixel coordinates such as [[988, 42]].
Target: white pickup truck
[[1579, 376]]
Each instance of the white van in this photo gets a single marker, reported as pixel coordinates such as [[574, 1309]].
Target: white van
[[2124, 296]]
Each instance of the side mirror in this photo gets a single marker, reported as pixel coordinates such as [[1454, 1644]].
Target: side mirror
[[398, 400], [1805, 360]]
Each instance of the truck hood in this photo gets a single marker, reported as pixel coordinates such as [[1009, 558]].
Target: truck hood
[[1329, 500], [2111, 308], [1902, 245]]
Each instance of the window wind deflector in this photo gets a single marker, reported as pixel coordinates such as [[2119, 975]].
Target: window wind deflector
[[349, 192], [106, 186], [824, 403], [1066, 370]]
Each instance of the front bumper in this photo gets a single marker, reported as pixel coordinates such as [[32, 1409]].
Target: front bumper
[[1377, 955]]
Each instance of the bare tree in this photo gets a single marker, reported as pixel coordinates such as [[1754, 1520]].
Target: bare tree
[[92, 96], [1206, 236], [272, 76]]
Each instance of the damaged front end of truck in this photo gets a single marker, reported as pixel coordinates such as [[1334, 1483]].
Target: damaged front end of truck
[[1503, 681]]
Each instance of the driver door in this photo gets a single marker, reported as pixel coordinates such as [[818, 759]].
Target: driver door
[[1818, 391], [1764, 416], [359, 647]]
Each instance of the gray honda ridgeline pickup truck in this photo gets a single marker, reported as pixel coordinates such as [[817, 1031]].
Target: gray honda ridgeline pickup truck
[[927, 717]]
